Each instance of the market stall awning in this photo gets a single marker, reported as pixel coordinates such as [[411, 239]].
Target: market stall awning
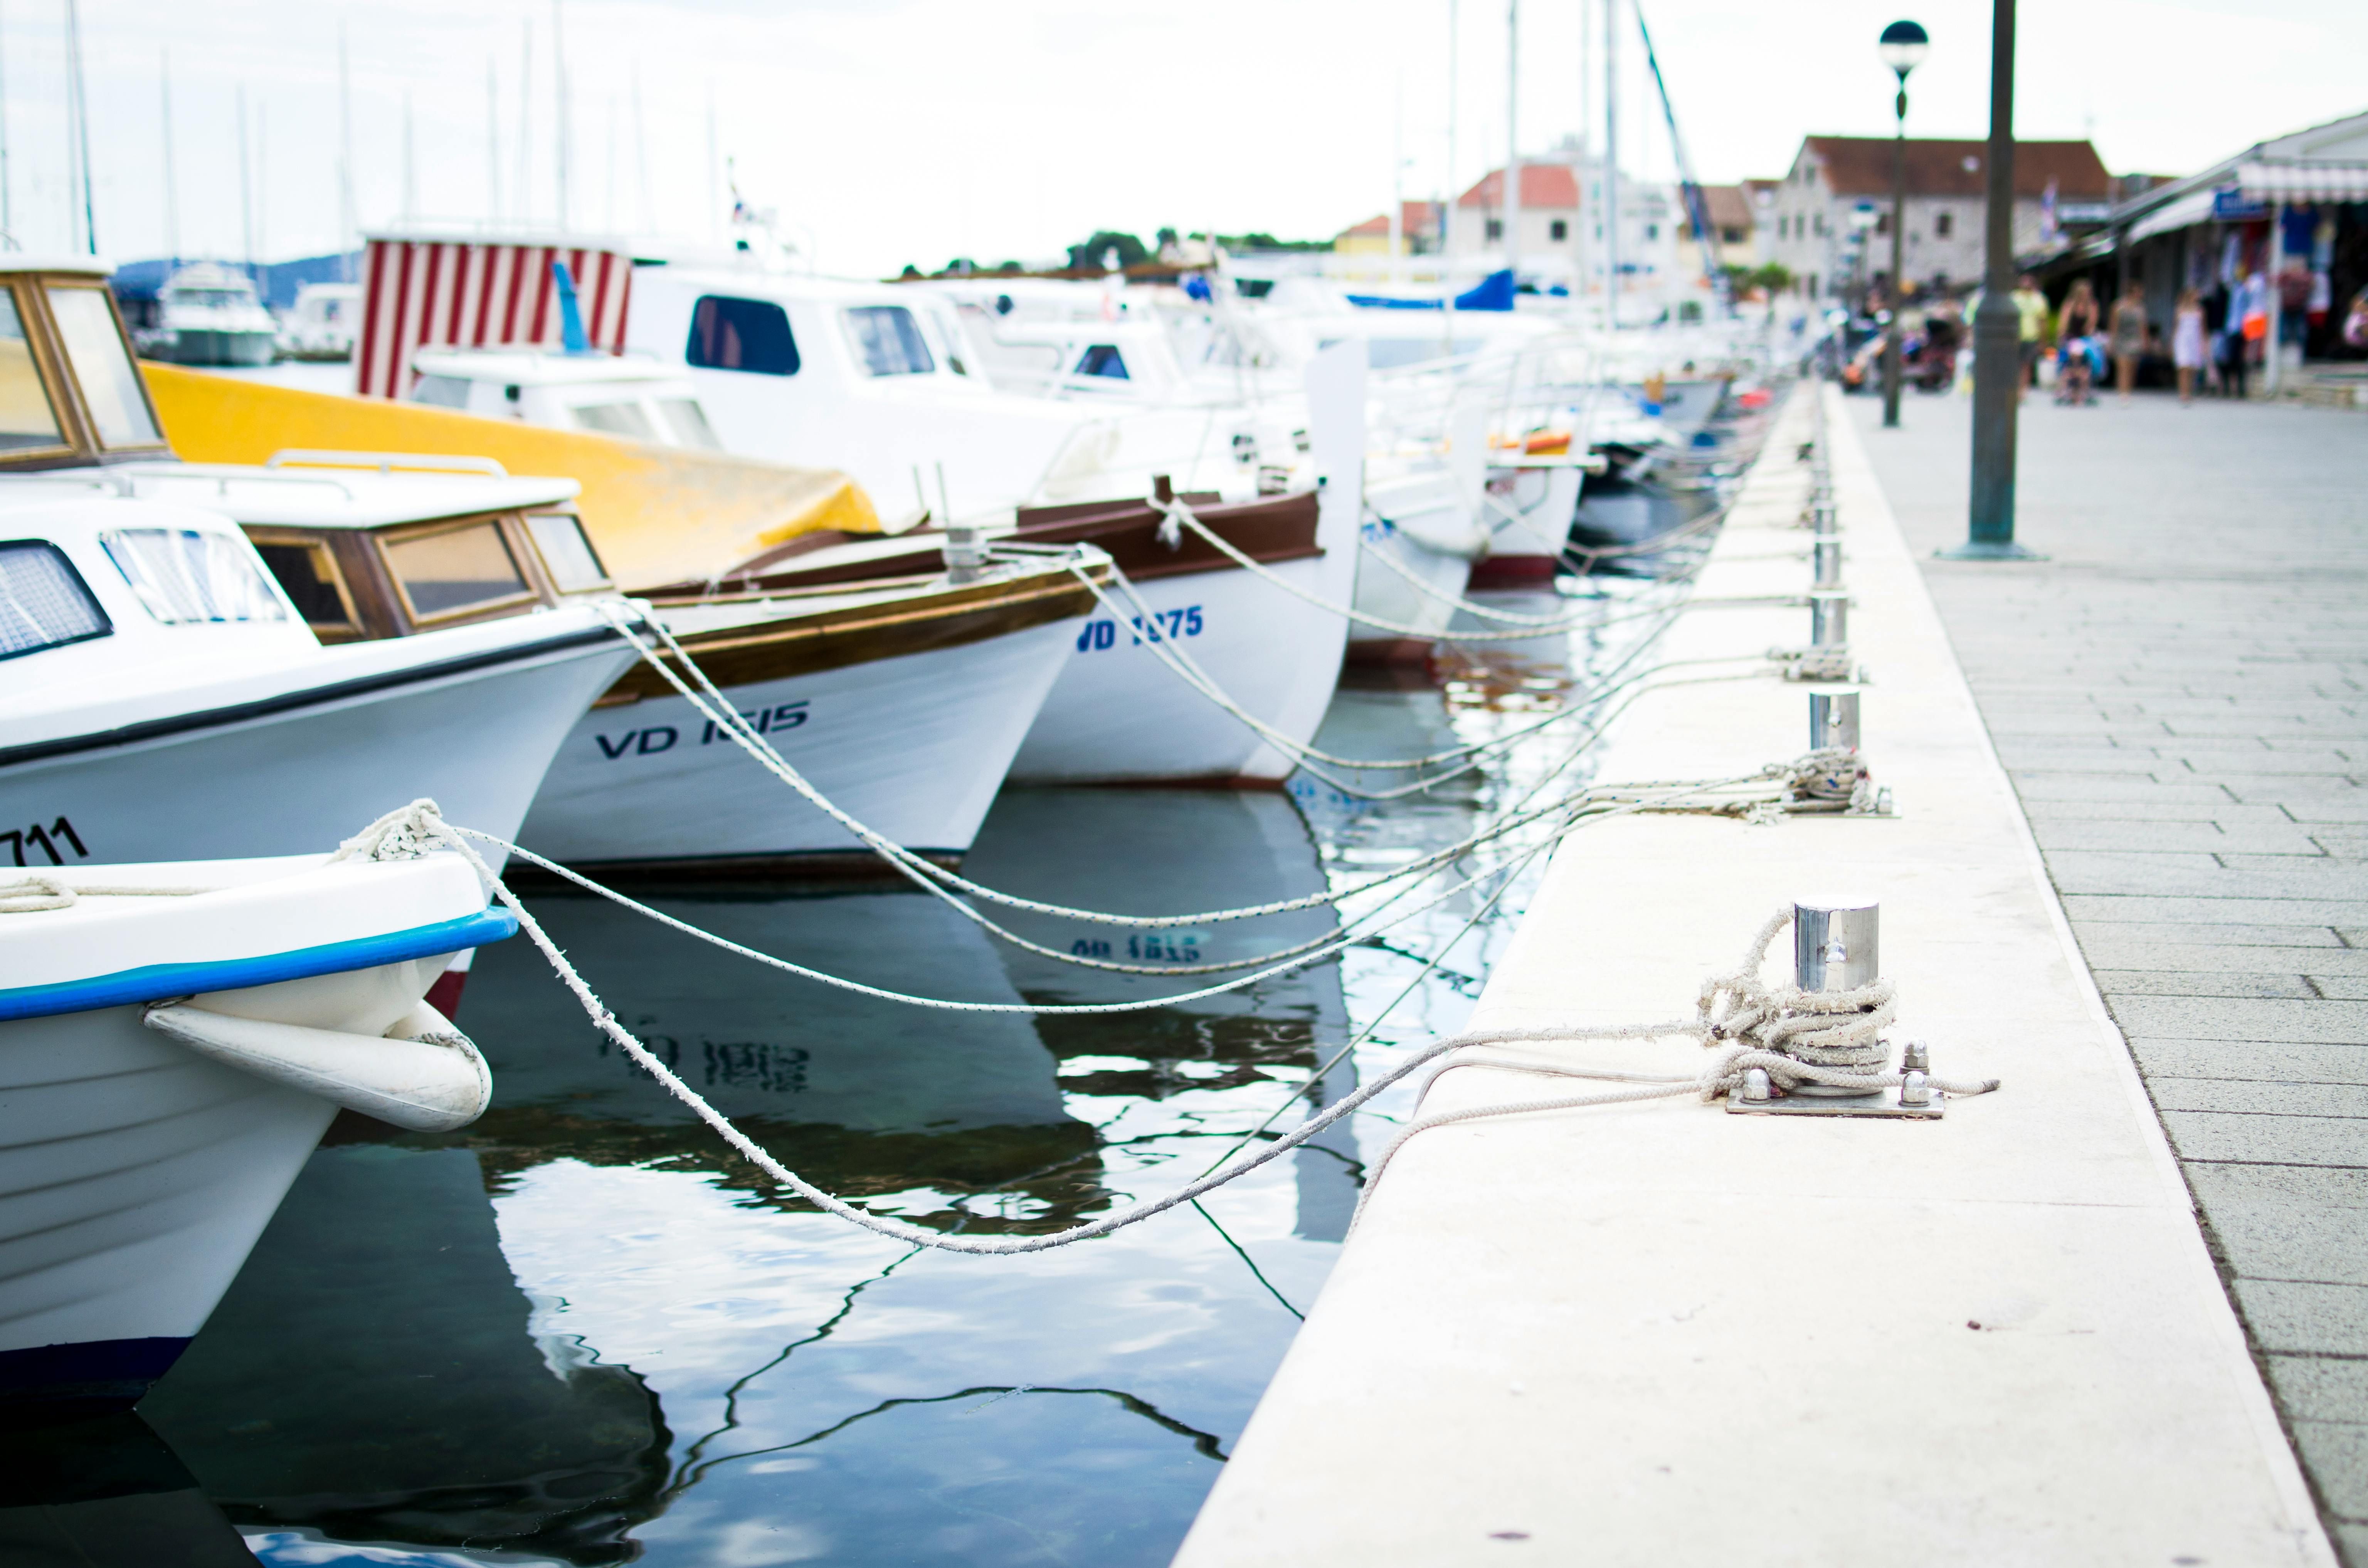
[[2314, 181], [2194, 207]]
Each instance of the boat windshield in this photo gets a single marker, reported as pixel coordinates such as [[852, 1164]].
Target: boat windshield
[[110, 386], [889, 340], [689, 424], [619, 418], [184, 577], [27, 417]]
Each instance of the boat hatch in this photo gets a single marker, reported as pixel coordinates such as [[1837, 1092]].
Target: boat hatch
[[358, 584], [70, 392]]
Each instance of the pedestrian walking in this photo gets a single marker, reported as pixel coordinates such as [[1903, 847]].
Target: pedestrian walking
[[2187, 342], [2030, 325], [2129, 334], [2074, 329], [2355, 325]]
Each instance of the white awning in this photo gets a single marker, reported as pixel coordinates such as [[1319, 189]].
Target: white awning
[[2194, 207], [2305, 181]]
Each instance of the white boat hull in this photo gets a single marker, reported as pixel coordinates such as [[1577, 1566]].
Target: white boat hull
[[1120, 714], [304, 777], [914, 747]]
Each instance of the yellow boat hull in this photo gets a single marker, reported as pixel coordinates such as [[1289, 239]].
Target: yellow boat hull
[[657, 513]]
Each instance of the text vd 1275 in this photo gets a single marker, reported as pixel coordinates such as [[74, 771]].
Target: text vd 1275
[[1161, 626]]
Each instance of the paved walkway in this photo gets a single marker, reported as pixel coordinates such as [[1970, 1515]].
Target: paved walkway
[[2180, 695]]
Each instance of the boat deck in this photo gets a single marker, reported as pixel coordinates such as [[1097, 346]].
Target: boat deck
[[1660, 1334]]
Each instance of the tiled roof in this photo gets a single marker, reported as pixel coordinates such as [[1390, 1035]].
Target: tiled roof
[[1860, 166], [1542, 185]]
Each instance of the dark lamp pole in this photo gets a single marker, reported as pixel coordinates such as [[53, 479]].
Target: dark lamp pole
[[1998, 337], [1903, 48]]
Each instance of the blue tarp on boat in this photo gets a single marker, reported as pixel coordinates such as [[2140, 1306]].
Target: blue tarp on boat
[[1494, 292]]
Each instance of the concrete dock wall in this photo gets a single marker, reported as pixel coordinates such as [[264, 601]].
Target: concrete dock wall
[[1660, 1334]]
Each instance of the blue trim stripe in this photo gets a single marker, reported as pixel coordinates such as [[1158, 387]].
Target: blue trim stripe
[[154, 982]]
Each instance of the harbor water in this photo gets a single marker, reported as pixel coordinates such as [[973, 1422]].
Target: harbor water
[[581, 1331]]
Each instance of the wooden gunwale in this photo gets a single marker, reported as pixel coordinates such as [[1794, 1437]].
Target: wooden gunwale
[[746, 655]]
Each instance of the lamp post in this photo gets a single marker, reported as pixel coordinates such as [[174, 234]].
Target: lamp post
[[1903, 48], [1998, 365]]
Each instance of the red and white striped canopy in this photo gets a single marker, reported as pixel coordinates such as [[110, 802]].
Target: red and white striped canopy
[[418, 293]]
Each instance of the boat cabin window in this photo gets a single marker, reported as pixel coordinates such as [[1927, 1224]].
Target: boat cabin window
[[448, 569], [889, 340], [44, 603], [566, 554], [616, 419], [307, 572], [1103, 359], [110, 386], [441, 392], [727, 334], [188, 577], [688, 422], [26, 419]]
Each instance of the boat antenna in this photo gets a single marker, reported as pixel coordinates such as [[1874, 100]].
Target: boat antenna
[[172, 182], [79, 131], [1697, 208]]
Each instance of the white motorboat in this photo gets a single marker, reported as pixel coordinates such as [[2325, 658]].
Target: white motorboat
[[208, 315], [174, 1039], [634, 396], [320, 325], [902, 703]]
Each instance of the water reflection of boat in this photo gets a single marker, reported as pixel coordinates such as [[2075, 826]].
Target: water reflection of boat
[[1149, 852], [372, 1376], [106, 1493]]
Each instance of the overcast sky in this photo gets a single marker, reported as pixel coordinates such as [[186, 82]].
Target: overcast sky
[[895, 131]]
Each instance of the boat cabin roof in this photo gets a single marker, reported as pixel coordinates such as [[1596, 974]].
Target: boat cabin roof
[[531, 367], [325, 496]]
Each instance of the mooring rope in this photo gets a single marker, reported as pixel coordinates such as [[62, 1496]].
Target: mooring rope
[[33, 893], [416, 829]]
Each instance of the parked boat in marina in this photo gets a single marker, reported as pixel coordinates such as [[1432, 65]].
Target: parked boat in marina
[[320, 325], [208, 315], [138, 1164]]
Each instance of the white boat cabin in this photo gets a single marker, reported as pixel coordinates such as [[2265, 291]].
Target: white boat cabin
[[629, 395]]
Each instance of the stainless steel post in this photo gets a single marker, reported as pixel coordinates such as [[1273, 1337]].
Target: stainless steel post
[[1829, 563], [1829, 618], [1833, 720], [1837, 944]]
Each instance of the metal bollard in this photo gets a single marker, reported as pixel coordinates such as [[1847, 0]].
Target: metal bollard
[[965, 554], [1829, 563], [1836, 946], [1833, 720], [1829, 618]]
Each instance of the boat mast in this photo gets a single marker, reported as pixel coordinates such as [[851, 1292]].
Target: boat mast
[[715, 167], [1513, 141], [492, 143], [1398, 176], [172, 180], [1611, 162], [559, 71], [345, 159], [245, 187], [525, 187], [78, 134], [410, 166], [262, 189], [7, 216], [1447, 206], [1588, 209], [642, 156]]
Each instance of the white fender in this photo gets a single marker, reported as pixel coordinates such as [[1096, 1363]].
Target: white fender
[[422, 1074]]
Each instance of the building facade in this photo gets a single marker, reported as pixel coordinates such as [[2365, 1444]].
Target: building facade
[[1562, 235], [1831, 212]]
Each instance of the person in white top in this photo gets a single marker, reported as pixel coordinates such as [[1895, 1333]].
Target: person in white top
[[2187, 342]]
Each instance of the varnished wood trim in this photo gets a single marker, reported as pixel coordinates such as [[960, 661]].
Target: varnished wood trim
[[861, 634]]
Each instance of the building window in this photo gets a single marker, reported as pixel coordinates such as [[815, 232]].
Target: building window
[[1559, 229], [1943, 225], [1730, 236], [1495, 228], [1652, 231]]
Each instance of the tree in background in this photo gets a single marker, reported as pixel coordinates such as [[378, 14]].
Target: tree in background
[[1091, 255]]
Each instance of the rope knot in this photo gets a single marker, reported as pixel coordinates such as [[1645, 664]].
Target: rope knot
[[407, 833], [31, 893]]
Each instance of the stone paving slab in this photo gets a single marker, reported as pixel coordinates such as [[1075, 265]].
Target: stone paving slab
[[2181, 697]]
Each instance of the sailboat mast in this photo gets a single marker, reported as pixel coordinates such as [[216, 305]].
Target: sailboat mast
[[1447, 208], [7, 216], [525, 187], [346, 220], [558, 71], [245, 187], [1589, 207], [1611, 162], [1513, 139], [172, 180], [79, 132], [492, 143]]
